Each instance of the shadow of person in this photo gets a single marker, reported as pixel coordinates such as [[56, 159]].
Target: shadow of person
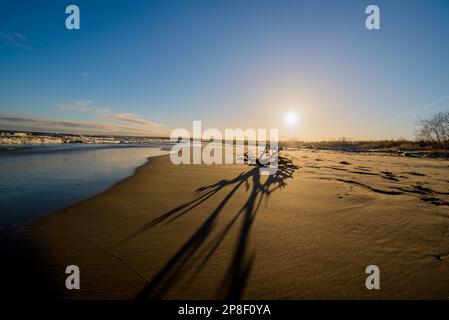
[[197, 250]]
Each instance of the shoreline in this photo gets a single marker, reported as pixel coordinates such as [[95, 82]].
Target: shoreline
[[20, 229], [165, 234], [53, 178], [21, 255], [147, 162], [13, 150]]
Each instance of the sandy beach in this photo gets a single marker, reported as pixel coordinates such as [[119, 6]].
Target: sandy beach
[[224, 231]]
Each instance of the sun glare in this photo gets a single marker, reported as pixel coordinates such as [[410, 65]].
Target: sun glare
[[291, 118]]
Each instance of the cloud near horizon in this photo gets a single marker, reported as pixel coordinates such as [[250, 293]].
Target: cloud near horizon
[[75, 127], [106, 113], [121, 123]]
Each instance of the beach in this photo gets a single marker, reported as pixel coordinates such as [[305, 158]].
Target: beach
[[224, 231]]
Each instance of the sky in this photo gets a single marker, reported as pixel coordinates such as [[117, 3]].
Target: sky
[[146, 67]]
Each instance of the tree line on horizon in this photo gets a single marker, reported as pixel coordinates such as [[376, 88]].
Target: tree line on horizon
[[431, 134], [434, 129]]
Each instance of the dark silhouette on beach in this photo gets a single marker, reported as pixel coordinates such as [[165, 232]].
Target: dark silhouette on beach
[[234, 280]]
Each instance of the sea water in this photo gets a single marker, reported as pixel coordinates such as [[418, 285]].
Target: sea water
[[38, 180]]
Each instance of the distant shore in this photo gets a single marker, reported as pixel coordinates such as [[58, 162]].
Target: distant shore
[[11, 138], [223, 231], [18, 140]]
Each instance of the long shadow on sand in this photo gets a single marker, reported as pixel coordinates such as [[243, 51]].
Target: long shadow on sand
[[200, 244]]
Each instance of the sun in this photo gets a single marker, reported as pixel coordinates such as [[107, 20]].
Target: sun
[[291, 118]]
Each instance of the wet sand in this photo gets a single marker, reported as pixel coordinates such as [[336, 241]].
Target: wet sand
[[224, 231]]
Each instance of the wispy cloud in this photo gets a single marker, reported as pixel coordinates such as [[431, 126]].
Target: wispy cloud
[[421, 108], [76, 127], [15, 39], [83, 106], [131, 118], [106, 113], [105, 122]]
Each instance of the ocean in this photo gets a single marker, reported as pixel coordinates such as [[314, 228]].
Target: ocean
[[38, 180]]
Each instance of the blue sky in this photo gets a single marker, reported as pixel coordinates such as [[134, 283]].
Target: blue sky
[[159, 65]]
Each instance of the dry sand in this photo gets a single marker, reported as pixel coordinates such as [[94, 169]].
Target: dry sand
[[205, 232]]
